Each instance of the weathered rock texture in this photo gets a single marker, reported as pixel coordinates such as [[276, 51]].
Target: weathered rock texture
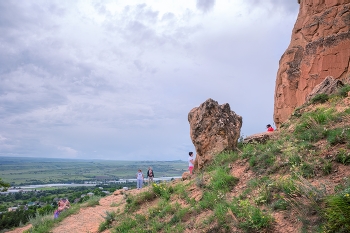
[[213, 128], [328, 86], [320, 47], [259, 137]]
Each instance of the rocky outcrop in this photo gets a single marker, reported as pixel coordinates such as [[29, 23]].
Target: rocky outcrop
[[328, 86], [213, 128], [319, 47], [258, 138]]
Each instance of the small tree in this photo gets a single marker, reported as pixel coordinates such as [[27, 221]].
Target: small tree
[[3, 185]]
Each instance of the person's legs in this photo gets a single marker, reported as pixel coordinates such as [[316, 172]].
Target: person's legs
[[191, 170], [141, 184], [138, 184]]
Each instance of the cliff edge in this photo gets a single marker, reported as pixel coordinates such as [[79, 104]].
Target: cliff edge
[[319, 47]]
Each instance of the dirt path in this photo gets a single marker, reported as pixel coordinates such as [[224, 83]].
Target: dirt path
[[88, 219]]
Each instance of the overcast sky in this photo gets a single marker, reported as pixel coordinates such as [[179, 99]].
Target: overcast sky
[[116, 79]]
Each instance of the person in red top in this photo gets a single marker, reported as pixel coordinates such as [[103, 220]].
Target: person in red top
[[269, 128]]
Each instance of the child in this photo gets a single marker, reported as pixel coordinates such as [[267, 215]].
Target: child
[[139, 179], [190, 162]]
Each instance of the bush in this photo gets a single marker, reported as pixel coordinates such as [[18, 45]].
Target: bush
[[338, 136], [162, 190], [222, 180], [337, 212], [251, 218], [319, 98], [108, 220], [343, 92], [343, 157], [280, 204]]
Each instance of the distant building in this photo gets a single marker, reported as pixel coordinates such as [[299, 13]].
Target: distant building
[[90, 194], [11, 209]]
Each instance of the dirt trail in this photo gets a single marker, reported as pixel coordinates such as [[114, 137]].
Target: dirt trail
[[88, 219]]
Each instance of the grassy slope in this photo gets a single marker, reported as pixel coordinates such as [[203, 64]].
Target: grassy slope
[[297, 181]]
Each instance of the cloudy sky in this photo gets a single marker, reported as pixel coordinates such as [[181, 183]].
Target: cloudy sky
[[116, 79]]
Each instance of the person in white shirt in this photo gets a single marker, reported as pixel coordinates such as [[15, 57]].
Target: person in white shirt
[[139, 179]]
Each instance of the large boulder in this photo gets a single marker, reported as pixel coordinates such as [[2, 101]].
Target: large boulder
[[319, 47], [213, 128]]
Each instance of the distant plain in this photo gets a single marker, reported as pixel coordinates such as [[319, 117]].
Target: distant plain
[[25, 171]]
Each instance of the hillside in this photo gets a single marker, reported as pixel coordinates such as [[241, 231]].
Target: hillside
[[298, 181]]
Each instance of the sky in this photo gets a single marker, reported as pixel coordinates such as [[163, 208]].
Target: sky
[[116, 79]]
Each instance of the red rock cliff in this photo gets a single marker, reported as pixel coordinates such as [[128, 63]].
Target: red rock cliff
[[320, 46]]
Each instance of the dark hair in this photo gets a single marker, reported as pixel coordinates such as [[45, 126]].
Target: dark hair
[[190, 153], [268, 126]]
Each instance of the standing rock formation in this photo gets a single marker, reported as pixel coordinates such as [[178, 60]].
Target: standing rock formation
[[320, 47], [213, 128]]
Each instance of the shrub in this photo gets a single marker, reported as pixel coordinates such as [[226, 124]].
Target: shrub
[[307, 170], [343, 157], [311, 135], [327, 167], [337, 212], [108, 220], [260, 163], [133, 202], [338, 136], [225, 158], [126, 225], [92, 201], [250, 217], [280, 204], [287, 185], [162, 190], [222, 180], [319, 98], [343, 92]]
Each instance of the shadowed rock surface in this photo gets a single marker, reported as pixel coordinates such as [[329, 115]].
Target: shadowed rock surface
[[213, 128], [328, 86], [319, 47]]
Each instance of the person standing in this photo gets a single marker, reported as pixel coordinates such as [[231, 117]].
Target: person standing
[[190, 162], [150, 175], [139, 179]]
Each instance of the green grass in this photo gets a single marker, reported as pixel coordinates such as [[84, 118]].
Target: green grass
[[251, 218], [343, 156], [319, 98], [337, 212]]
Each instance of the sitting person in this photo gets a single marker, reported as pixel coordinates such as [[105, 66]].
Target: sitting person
[[269, 128], [63, 204]]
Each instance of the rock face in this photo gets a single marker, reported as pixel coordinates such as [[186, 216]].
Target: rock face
[[328, 86], [213, 128], [319, 47]]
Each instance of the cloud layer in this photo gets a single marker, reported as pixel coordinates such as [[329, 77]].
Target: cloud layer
[[116, 79]]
